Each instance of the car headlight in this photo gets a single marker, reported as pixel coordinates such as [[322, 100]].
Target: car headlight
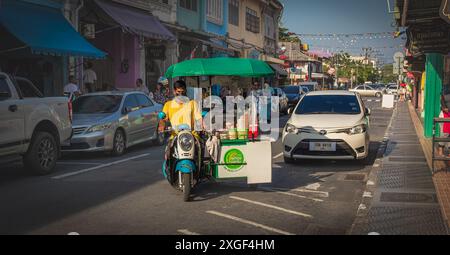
[[360, 129], [186, 142], [291, 129], [100, 127]]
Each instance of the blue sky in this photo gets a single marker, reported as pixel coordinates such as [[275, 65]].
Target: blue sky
[[343, 17]]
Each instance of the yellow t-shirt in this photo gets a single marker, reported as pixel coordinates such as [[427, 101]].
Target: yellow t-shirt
[[180, 113]]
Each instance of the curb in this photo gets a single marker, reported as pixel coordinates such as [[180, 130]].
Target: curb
[[371, 184]]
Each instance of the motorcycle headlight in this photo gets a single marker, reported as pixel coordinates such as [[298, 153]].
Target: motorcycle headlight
[[97, 128], [291, 129], [186, 142], [357, 130]]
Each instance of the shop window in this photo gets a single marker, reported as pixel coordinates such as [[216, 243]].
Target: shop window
[[189, 4], [214, 11], [233, 12], [252, 21]]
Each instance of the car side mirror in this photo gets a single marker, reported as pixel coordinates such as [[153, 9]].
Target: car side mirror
[[368, 111], [127, 109]]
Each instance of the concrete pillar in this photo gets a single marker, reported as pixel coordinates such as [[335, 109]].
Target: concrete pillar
[[434, 73]]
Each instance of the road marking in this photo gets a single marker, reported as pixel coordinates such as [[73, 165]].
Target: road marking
[[187, 232], [291, 194], [277, 156], [249, 223], [272, 206], [313, 186], [276, 166], [76, 163], [321, 193], [98, 167]]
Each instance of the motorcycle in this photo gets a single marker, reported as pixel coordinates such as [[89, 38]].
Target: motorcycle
[[183, 166]]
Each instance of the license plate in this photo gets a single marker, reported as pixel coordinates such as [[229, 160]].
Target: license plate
[[320, 146]]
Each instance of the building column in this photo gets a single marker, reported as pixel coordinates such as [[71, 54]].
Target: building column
[[434, 73]]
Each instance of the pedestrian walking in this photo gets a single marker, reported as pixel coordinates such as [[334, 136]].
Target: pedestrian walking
[[89, 78], [72, 87], [140, 86], [445, 129], [160, 94]]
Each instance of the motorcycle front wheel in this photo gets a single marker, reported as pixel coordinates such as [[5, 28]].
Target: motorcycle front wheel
[[186, 178]]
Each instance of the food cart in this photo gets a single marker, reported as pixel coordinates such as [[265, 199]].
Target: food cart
[[240, 154]]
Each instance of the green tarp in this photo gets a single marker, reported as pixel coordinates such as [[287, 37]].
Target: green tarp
[[242, 67]]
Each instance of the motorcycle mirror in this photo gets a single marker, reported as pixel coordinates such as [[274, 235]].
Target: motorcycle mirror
[[162, 115]]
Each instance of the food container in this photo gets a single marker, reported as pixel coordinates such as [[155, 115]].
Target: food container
[[223, 135], [232, 134], [243, 134]]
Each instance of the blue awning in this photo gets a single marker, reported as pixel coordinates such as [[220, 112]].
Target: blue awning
[[45, 30], [137, 21]]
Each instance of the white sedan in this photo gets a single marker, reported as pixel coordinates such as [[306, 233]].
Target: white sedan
[[327, 125], [366, 90]]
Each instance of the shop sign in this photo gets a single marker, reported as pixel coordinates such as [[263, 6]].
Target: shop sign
[[429, 39], [236, 158], [156, 52], [445, 10]]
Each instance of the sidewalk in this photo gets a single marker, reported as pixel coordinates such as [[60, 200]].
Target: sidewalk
[[401, 197]]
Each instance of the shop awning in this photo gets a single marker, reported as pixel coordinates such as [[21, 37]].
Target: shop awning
[[136, 21], [45, 30], [279, 70]]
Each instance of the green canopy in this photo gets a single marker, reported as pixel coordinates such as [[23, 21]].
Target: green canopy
[[242, 67]]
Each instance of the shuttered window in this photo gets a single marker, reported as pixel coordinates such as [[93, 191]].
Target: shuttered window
[[233, 12], [189, 4], [214, 11], [252, 21]]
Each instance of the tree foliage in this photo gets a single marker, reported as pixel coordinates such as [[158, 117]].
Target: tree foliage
[[286, 36], [347, 68]]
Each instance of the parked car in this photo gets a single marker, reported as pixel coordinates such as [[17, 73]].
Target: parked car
[[114, 121], [294, 93], [392, 89], [311, 86], [366, 90], [31, 125], [327, 125], [379, 87], [284, 101]]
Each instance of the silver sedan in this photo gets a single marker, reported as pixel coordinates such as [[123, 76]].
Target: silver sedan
[[113, 121]]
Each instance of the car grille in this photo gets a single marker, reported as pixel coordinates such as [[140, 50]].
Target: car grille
[[342, 149], [79, 130]]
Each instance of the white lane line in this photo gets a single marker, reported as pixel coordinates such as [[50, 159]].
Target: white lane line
[[187, 232], [321, 193], [76, 163], [277, 156], [98, 167], [291, 194], [272, 206], [249, 223]]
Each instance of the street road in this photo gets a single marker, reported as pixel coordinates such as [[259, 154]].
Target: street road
[[98, 194]]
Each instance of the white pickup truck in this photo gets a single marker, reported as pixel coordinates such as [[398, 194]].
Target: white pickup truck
[[32, 126]]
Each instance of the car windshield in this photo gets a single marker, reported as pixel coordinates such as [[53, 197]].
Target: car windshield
[[291, 90], [97, 104], [329, 104]]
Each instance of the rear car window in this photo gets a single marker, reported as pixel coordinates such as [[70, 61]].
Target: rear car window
[[329, 104], [5, 93], [97, 104], [27, 89]]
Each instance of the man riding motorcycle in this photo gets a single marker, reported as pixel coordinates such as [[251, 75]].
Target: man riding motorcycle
[[179, 112]]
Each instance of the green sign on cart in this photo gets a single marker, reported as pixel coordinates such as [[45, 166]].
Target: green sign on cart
[[236, 158]]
